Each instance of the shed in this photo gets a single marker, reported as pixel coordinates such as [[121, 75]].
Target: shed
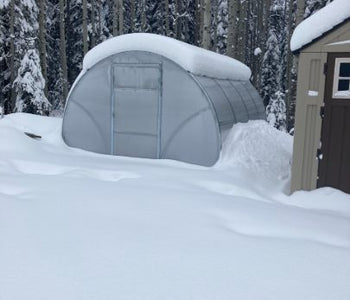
[[322, 121], [145, 95]]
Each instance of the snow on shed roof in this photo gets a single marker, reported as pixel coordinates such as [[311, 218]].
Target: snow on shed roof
[[193, 59], [320, 23]]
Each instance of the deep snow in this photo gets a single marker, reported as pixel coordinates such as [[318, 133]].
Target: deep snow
[[78, 225]]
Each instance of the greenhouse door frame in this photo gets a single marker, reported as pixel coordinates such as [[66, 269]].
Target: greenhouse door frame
[[146, 93]]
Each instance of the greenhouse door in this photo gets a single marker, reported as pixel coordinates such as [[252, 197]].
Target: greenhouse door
[[136, 109], [334, 165]]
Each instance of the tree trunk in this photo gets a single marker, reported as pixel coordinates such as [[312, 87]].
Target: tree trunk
[[242, 31], [42, 41], [143, 15], [260, 42], [115, 17], [132, 16], [197, 26], [166, 17], [12, 103], [290, 63], [206, 24], [63, 51], [215, 26], [179, 20], [121, 17], [300, 12], [93, 23], [85, 31], [266, 5], [292, 72], [232, 30]]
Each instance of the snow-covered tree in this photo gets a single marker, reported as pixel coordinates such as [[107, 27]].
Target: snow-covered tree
[[311, 6], [75, 51], [273, 65], [276, 111], [222, 24], [5, 71], [29, 86], [28, 83]]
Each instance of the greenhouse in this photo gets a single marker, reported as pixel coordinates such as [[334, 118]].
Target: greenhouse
[[150, 96]]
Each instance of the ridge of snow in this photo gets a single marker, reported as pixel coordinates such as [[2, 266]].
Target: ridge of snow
[[319, 23], [196, 60]]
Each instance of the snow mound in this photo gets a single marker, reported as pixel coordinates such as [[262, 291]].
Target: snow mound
[[193, 59], [319, 23], [259, 148]]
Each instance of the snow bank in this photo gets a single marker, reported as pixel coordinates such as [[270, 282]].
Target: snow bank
[[259, 148], [194, 59], [319, 23], [79, 225]]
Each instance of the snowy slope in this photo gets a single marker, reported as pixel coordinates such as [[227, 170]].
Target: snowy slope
[[78, 225], [319, 23], [193, 59]]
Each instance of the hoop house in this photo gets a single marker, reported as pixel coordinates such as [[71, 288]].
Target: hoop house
[[145, 95]]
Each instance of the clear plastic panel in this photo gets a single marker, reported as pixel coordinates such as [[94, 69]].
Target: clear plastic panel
[[219, 100], [237, 103], [245, 97], [136, 111], [136, 76], [136, 145], [260, 109]]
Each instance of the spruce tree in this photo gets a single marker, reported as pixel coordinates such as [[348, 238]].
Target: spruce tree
[[30, 84], [272, 73], [222, 24], [5, 72], [311, 6]]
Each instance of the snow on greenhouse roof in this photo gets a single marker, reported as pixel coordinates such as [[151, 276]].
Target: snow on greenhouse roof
[[193, 59], [320, 23]]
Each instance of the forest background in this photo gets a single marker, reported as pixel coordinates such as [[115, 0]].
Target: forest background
[[43, 42]]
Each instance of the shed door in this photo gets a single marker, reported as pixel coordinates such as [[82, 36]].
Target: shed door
[[136, 110], [334, 165]]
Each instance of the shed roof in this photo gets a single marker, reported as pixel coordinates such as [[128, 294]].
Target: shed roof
[[317, 25], [193, 59]]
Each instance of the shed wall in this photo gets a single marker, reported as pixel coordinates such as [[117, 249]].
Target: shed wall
[[308, 122]]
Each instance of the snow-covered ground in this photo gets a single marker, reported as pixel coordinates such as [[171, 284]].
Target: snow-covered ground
[[78, 225]]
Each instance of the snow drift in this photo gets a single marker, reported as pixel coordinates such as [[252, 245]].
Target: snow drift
[[78, 225]]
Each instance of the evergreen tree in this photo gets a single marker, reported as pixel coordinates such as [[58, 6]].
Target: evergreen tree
[[272, 72], [75, 51], [5, 72], [29, 86], [222, 24], [54, 72], [311, 6], [276, 111]]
